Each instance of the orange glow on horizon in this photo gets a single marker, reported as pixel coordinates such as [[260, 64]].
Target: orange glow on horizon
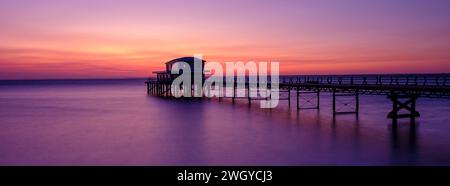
[[86, 39]]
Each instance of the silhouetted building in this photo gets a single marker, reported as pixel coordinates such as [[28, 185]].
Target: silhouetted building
[[167, 76]]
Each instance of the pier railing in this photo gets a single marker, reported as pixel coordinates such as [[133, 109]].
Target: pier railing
[[387, 79], [396, 79]]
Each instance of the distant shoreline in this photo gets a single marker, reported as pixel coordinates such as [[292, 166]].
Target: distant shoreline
[[69, 81], [282, 75]]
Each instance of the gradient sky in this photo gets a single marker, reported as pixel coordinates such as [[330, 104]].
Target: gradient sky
[[42, 39]]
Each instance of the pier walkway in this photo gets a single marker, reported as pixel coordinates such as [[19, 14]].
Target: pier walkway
[[402, 90]]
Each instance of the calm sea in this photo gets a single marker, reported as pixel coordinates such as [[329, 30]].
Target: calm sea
[[114, 122]]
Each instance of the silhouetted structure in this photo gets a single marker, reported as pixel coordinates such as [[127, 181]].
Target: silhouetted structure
[[402, 90], [161, 86], [167, 76]]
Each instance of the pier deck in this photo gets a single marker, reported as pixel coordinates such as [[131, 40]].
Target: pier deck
[[402, 90]]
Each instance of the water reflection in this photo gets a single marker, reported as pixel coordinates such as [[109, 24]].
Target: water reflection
[[120, 125], [404, 142]]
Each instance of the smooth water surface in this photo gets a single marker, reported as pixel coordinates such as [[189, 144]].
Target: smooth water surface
[[114, 122]]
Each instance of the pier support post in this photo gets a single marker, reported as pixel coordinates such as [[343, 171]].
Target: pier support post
[[166, 94], [222, 90], [403, 102], [315, 93], [157, 89], [166, 90], [248, 95], [318, 98], [170, 90], [289, 94], [357, 101], [334, 101], [150, 90], [354, 94], [153, 89], [297, 89], [234, 90]]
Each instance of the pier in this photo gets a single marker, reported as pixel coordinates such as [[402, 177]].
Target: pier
[[402, 90]]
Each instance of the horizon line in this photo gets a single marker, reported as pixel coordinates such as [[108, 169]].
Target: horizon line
[[136, 78]]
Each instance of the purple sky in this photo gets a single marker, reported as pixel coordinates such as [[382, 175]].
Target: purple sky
[[131, 38]]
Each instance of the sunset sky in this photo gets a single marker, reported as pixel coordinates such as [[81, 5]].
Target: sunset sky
[[42, 39]]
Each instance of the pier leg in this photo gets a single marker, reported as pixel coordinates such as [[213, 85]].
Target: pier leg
[[154, 89], [403, 102], [298, 96], [270, 95], [222, 89], [192, 91], [308, 98], [334, 101], [347, 103], [318, 98], [357, 102], [248, 94], [392, 114], [413, 109], [170, 90], [208, 92], [169, 93], [289, 96], [150, 88], [234, 91], [165, 90], [158, 89]]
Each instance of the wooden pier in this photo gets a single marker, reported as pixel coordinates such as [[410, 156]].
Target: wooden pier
[[402, 90]]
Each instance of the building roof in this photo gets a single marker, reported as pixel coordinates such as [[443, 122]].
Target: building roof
[[189, 60], [160, 72], [184, 59]]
